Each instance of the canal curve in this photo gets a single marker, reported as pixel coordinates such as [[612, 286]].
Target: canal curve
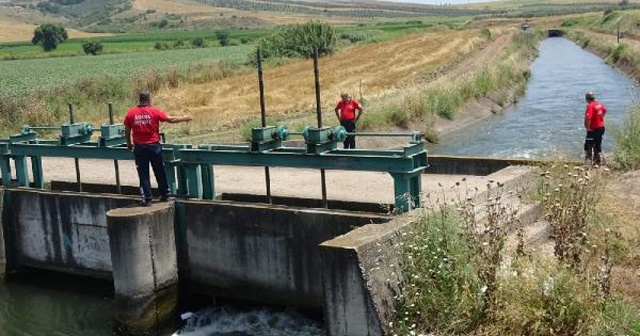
[[548, 120]]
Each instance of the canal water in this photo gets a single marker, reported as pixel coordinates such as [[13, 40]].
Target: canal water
[[547, 121]]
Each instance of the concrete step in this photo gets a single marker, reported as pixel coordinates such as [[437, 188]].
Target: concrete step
[[526, 213], [537, 239]]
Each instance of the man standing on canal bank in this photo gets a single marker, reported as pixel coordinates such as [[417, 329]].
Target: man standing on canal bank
[[346, 113], [144, 121], [594, 124]]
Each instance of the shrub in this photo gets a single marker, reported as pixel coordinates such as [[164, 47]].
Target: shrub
[[568, 198], [161, 45], [626, 155], [92, 48], [355, 37], [545, 299], [198, 42], [223, 37]]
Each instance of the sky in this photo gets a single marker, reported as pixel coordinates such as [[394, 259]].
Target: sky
[[439, 2]]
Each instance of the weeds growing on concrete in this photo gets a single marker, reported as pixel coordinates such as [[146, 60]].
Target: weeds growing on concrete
[[457, 279], [451, 262]]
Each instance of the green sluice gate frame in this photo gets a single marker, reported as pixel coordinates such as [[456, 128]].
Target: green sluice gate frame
[[190, 170]]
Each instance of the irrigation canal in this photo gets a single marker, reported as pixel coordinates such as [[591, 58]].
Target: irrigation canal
[[546, 121]]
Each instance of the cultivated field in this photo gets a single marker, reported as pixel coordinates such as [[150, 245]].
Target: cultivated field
[[24, 76]]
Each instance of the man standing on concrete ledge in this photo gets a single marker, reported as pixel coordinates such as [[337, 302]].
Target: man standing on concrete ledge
[[144, 121]]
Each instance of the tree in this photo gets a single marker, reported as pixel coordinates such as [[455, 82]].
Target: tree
[[49, 36], [223, 37], [92, 48]]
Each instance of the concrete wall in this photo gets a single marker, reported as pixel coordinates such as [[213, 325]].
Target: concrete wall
[[248, 251], [265, 253], [479, 166], [361, 273], [62, 231]]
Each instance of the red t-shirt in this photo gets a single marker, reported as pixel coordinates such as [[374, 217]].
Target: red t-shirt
[[348, 109], [144, 121], [595, 112]]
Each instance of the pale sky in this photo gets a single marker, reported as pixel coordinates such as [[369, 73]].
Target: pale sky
[[439, 2]]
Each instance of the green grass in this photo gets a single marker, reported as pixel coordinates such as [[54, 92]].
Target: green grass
[[25, 76], [133, 42]]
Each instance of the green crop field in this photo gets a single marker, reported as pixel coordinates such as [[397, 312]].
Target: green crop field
[[25, 76]]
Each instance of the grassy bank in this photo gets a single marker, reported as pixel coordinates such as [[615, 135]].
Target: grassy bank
[[502, 81]]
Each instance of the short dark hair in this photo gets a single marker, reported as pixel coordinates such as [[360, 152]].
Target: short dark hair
[[145, 96], [590, 96]]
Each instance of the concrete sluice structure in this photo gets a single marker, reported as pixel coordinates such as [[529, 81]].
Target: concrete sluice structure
[[281, 254]]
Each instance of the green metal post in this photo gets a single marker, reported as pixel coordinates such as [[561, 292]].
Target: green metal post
[[416, 188], [182, 180], [36, 168], [170, 171], [194, 180], [116, 166], [22, 172], [76, 160], [208, 183], [5, 169], [402, 191]]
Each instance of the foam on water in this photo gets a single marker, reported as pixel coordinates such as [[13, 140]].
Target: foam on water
[[256, 322]]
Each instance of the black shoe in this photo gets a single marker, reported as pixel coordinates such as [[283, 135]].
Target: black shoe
[[166, 198], [144, 203]]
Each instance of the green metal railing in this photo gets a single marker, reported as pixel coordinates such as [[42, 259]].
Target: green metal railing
[[190, 168]]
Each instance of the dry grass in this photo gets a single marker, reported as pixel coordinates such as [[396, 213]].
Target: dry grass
[[626, 273], [381, 69], [13, 31]]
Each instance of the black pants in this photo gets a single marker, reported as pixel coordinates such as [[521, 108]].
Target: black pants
[[350, 126], [145, 155], [593, 144]]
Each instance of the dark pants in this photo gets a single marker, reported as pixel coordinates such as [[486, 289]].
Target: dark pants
[[350, 126], [145, 155], [593, 145]]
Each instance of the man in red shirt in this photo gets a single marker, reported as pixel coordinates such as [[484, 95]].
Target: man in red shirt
[[346, 113], [142, 131], [594, 124]]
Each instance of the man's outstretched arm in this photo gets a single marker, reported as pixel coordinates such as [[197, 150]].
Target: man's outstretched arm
[[179, 119]]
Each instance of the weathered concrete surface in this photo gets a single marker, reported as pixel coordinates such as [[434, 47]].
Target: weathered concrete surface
[[264, 253], [145, 271], [3, 258], [478, 166], [62, 231], [361, 271]]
